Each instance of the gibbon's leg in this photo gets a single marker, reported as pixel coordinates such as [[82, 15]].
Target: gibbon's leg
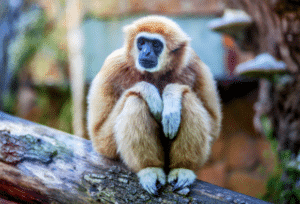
[[191, 146], [137, 136], [103, 137]]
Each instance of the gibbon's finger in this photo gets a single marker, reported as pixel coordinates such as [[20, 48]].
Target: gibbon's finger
[[152, 179], [184, 177], [155, 105], [165, 123]]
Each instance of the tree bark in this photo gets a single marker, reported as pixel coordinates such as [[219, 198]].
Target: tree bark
[[42, 165]]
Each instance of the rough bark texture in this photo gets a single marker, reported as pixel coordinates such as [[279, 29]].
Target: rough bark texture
[[42, 165], [276, 30]]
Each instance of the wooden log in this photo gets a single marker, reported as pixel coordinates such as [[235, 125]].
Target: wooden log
[[42, 165]]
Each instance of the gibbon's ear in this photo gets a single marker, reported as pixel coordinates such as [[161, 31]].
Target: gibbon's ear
[[129, 35]]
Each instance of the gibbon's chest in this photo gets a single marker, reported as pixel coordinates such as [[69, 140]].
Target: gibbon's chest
[[127, 80], [186, 77]]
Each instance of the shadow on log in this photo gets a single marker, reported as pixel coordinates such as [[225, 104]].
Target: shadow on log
[[42, 165]]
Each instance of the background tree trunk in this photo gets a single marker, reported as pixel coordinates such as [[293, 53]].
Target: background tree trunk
[[75, 38], [276, 30]]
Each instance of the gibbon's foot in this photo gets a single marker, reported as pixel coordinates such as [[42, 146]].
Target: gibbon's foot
[[180, 178], [152, 179], [171, 121]]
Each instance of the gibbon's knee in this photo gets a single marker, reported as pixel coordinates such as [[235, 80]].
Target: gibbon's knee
[[137, 135], [103, 136], [106, 145], [103, 139], [191, 147]]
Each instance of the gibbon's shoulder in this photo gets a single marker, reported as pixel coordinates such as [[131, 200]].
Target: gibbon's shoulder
[[110, 68], [114, 60], [197, 65]]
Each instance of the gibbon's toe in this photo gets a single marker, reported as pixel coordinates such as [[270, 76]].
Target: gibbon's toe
[[152, 179], [180, 178]]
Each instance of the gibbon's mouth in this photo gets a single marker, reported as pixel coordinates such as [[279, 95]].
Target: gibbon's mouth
[[148, 64]]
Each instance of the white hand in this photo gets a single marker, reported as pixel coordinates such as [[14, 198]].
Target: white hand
[[171, 115], [151, 95], [171, 118]]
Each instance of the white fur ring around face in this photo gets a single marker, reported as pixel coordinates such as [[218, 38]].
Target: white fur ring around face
[[152, 179], [180, 178]]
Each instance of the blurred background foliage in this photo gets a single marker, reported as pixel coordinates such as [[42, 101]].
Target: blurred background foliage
[[36, 76]]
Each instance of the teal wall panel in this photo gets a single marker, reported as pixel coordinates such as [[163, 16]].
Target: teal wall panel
[[102, 37]]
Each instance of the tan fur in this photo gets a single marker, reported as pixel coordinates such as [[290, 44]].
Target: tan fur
[[137, 135], [191, 146], [119, 120]]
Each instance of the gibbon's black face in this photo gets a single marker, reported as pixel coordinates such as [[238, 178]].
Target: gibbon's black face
[[149, 51]]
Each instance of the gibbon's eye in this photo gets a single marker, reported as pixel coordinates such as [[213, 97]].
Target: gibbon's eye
[[157, 45], [140, 43], [175, 50]]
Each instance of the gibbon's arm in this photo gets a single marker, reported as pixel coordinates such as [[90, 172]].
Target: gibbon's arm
[[206, 90], [171, 115], [102, 96], [150, 94], [101, 101]]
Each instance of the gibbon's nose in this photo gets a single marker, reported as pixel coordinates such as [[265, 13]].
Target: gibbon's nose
[[147, 49]]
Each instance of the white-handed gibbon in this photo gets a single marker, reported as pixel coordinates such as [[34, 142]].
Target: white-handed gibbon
[[154, 104]]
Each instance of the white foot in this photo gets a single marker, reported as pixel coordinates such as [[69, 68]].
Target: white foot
[[180, 178], [152, 179]]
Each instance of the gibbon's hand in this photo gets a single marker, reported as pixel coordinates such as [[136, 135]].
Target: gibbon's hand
[[151, 95], [171, 115]]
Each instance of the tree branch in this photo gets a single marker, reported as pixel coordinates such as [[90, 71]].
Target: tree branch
[[43, 165]]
